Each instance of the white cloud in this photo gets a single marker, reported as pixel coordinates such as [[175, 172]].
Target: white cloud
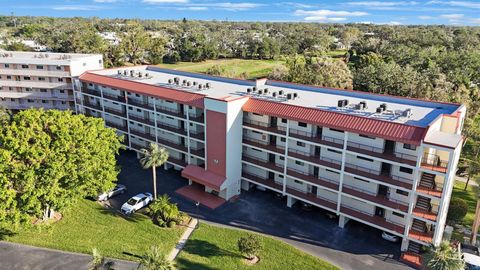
[[193, 8], [464, 4], [324, 19], [425, 17], [235, 6], [475, 21], [394, 23], [294, 4], [328, 13], [452, 16], [106, 1], [382, 3], [77, 7], [166, 1]]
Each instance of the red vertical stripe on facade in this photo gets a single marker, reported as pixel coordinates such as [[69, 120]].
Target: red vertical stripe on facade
[[216, 142]]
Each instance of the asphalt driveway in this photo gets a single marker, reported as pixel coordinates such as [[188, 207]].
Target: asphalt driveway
[[356, 247]]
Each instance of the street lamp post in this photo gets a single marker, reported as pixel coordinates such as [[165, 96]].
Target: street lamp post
[[197, 204]]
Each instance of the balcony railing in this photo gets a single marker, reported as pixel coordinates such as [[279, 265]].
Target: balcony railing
[[314, 137], [380, 153], [263, 145], [142, 120], [324, 161], [139, 104], [372, 174], [262, 180], [429, 215], [262, 163], [169, 111], [434, 163], [313, 198], [422, 236], [263, 126], [114, 97], [172, 128], [331, 184], [116, 112], [379, 221], [197, 118], [115, 125], [373, 197]]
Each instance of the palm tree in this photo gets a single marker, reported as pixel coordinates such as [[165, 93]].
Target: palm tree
[[444, 257], [153, 260], [99, 262], [152, 158]]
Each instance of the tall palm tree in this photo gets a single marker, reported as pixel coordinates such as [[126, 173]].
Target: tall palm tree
[[152, 158], [444, 257], [154, 260]]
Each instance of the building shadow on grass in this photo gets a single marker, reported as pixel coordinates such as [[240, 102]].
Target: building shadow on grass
[[206, 249], [186, 264], [4, 233], [135, 217]]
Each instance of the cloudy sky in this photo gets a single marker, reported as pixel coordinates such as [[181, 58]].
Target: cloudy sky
[[326, 11]]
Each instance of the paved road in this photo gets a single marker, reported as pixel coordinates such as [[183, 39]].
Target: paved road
[[21, 257], [357, 247]]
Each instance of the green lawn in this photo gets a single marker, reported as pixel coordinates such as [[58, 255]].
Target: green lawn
[[469, 197], [88, 225], [233, 67], [212, 247]]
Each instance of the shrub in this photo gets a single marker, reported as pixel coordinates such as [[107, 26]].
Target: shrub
[[457, 210], [163, 212], [154, 260], [249, 246], [216, 70]]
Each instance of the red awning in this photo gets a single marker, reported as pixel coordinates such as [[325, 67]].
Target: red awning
[[201, 176]]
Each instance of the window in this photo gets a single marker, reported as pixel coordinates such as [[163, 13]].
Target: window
[[401, 192], [7, 65], [39, 67], [138, 110], [168, 117], [334, 151], [43, 90], [256, 132], [409, 146], [302, 124], [28, 89], [284, 120], [44, 101], [59, 68], [366, 136], [190, 107], [62, 91], [406, 170], [26, 78], [60, 79], [364, 158], [24, 66], [9, 77], [137, 95], [41, 78], [282, 139], [281, 158], [299, 163], [30, 100], [397, 214], [280, 176], [336, 130], [302, 144]]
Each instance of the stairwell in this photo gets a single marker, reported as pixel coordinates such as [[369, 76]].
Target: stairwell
[[414, 247], [419, 226], [427, 181], [423, 203]]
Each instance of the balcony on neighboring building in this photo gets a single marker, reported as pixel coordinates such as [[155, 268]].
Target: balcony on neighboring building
[[315, 158], [117, 112], [177, 161], [262, 163], [374, 197], [200, 151], [372, 174], [197, 135], [263, 126], [197, 118], [143, 120], [310, 197], [373, 219], [313, 179], [263, 145], [316, 137], [91, 104], [144, 105], [114, 98], [171, 128], [386, 153], [262, 180], [116, 126], [142, 134]]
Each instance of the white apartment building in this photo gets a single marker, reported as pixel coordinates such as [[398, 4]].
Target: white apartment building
[[42, 80], [388, 162]]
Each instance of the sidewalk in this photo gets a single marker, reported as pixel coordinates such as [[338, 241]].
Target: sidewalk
[[15, 256]]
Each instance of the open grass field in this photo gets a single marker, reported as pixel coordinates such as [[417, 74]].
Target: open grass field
[[211, 247], [88, 225], [234, 68]]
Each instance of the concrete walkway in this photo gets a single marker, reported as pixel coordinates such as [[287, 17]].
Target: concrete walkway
[[15, 256], [183, 239]]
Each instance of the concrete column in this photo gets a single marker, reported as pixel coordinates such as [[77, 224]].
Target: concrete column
[[404, 246], [342, 221], [245, 185], [138, 155], [290, 201], [190, 182]]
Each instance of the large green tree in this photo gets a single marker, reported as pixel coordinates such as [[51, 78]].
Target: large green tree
[[443, 257], [51, 158], [153, 157]]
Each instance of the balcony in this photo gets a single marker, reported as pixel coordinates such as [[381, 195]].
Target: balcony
[[171, 128], [316, 138], [34, 72], [139, 104], [262, 163], [121, 113], [376, 220], [369, 173], [170, 111], [198, 152], [114, 97], [421, 236], [263, 126], [434, 163], [324, 161], [429, 215], [373, 197], [263, 145], [142, 120], [177, 161], [381, 153], [137, 146], [435, 191], [92, 105], [263, 181], [92, 92], [142, 134], [312, 198], [199, 135], [313, 179], [197, 118], [116, 126]]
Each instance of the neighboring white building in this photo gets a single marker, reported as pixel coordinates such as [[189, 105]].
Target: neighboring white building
[[33, 79], [385, 161]]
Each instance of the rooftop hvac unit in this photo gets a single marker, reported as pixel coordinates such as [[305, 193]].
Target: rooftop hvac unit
[[342, 103], [254, 88], [289, 96], [295, 95], [132, 73], [146, 75], [200, 86], [189, 84], [249, 90], [170, 81], [194, 83], [184, 81], [125, 72], [140, 74], [207, 85], [384, 106], [280, 92], [379, 109], [364, 104], [407, 113], [346, 102], [274, 94], [119, 72], [265, 91]]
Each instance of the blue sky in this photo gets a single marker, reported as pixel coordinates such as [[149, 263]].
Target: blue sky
[[378, 12]]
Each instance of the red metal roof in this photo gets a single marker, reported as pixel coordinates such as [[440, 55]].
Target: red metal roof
[[179, 96], [200, 175], [357, 124]]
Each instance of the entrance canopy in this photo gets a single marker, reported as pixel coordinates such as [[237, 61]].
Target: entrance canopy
[[201, 176]]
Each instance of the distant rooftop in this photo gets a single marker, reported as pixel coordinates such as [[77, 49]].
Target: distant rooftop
[[39, 57], [408, 111]]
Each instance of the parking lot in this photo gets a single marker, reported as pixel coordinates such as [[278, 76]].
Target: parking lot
[[357, 246]]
